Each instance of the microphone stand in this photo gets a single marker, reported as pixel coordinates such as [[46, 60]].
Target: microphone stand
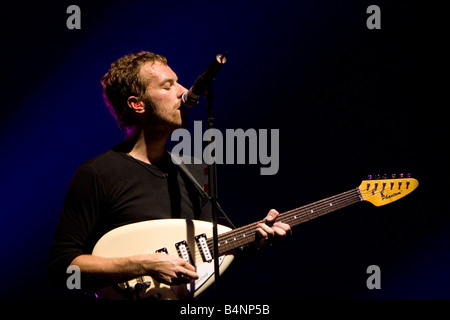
[[203, 84], [212, 190]]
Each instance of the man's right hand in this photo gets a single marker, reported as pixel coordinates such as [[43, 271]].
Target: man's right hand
[[168, 269]]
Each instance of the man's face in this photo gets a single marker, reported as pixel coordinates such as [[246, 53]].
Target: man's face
[[163, 97]]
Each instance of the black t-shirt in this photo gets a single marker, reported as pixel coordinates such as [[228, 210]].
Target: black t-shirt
[[115, 189]]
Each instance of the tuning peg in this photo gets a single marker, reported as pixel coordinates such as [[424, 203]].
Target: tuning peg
[[400, 175], [393, 176], [369, 177], [408, 175], [385, 176], [377, 176]]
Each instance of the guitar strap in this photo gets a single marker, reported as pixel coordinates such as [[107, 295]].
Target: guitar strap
[[199, 188]]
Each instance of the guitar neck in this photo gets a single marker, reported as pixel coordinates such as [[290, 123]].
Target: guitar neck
[[244, 235]]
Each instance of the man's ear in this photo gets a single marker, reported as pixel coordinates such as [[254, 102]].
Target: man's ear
[[134, 103]]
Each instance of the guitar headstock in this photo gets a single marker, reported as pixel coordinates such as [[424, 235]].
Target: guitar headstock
[[383, 191]]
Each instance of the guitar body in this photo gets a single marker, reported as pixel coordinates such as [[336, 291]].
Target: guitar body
[[175, 237]]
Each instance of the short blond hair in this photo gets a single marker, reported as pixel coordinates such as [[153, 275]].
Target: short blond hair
[[123, 80]]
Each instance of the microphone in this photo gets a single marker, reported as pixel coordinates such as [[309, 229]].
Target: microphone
[[190, 98]]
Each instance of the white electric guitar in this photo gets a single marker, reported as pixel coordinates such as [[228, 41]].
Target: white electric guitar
[[192, 240]]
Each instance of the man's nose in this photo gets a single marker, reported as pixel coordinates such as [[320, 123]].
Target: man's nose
[[181, 90]]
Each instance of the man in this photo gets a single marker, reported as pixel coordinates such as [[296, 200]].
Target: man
[[135, 181]]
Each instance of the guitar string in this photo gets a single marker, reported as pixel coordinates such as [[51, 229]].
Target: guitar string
[[291, 217], [300, 213], [247, 233], [229, 239], [328, 205]]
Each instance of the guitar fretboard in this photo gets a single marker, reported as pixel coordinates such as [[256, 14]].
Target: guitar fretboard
[[233, 239]]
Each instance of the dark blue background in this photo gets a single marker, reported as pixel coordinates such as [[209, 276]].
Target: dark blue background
[[348, 102]]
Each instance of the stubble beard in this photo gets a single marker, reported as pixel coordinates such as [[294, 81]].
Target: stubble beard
[[162, 123]]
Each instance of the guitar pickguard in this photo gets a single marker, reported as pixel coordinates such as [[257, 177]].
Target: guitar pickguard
[[205, 271]]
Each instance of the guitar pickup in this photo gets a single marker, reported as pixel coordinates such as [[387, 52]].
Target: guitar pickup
[[183, 251], [203, 247], [162, 250]]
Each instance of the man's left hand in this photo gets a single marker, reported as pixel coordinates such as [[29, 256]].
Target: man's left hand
[[272, 232]]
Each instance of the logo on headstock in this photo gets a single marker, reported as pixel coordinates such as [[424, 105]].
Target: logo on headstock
[[389, 196]]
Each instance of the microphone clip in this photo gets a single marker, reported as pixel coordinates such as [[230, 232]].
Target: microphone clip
[[190, 98]]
